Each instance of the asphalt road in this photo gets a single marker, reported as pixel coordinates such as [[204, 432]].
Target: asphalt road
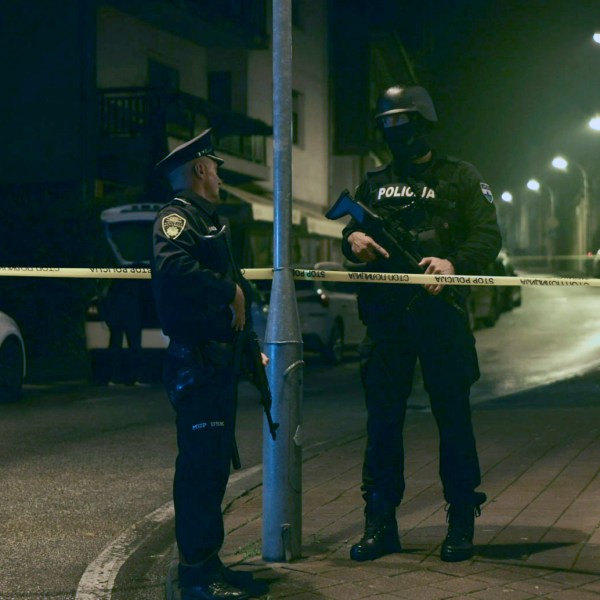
[[81, 464]]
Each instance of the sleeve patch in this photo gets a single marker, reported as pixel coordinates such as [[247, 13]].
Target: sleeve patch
[[173, 225], [487, 192]]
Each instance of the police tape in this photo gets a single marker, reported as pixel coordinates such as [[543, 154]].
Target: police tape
[[78, 273], [316, 275], [422, 279]]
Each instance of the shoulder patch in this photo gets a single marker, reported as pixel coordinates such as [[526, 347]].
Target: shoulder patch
[[172, 225], [486, 191]]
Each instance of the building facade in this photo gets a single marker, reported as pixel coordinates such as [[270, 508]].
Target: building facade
[[113, 85]]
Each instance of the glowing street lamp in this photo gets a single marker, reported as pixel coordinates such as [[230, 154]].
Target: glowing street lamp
[[546, 229], [562, 164], [596, 37], [535, 186], [507, 197], [594, 123]]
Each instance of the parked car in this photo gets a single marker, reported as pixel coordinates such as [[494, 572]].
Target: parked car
[[510, 295], [488, 302], [12, 359], [328, 313], [484, 306], [128, 230]]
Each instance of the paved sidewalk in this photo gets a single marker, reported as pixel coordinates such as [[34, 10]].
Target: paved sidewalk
[[538, 535]]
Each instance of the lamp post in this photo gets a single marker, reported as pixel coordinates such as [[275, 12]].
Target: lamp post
[[547, 227], [506, 219], [583, 208]]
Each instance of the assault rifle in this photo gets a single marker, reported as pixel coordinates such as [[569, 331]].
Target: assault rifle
[[258, 376], [248, 357], [399, 244]]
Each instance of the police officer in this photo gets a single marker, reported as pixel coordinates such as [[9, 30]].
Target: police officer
[[449, 213], [201, 307]]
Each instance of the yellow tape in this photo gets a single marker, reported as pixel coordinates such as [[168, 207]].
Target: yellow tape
[[545, 257], [79, 273], [314, 274], [404, 278]]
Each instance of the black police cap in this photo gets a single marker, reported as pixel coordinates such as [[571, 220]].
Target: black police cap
[[199, 146]]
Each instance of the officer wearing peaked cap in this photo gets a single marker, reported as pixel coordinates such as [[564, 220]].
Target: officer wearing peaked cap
[[197, 147], [200, 307], [449, 213]]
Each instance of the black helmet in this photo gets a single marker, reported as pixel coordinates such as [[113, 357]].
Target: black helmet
[[399, 99]]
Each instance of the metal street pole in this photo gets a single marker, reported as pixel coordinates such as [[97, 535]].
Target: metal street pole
[[551, 226], [585, 217], [582, 211], [282, 459]]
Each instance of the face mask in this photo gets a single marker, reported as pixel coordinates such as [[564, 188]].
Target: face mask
[[405, 142]]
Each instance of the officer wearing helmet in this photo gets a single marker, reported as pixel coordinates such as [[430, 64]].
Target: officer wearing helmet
[[448, 209]]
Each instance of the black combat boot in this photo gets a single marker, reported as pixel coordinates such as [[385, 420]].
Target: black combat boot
[[458, 544], [381, 531]]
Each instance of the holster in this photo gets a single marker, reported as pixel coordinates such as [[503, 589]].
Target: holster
[[198, 364]]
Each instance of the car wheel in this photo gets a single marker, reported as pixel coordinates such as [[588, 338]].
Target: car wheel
[[490, 319], [507, 300], [517, 299], [333, 352], [11, 370]]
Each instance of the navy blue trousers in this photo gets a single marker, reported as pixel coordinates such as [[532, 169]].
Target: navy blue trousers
[[205, 437], [439, 336]]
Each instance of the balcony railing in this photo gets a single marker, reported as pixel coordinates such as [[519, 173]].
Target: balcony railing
[[131, 112]]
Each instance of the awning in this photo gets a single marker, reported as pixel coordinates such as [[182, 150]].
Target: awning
[[325, 227], [262, 208]]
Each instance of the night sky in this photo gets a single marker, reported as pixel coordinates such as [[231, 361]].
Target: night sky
[[514, 82]]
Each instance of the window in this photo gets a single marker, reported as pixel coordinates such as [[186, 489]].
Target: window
[[220, 89], [298, 119]]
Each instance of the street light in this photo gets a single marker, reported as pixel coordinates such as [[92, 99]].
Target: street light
[[594, 123], [596, 38], [562, 164], [507, 197], [558, 162], [546, 232], [535, 186]]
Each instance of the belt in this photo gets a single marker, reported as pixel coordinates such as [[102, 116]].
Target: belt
[[219, 353]]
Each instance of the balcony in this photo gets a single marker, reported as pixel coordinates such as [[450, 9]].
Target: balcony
[[159, 120]]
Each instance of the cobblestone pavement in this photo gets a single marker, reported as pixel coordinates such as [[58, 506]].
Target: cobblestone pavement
[[538, 535]]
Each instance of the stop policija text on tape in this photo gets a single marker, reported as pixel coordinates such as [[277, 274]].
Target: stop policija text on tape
[[314, 274]]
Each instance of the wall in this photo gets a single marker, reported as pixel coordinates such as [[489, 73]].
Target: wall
[[310, 78], [125, 44]]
